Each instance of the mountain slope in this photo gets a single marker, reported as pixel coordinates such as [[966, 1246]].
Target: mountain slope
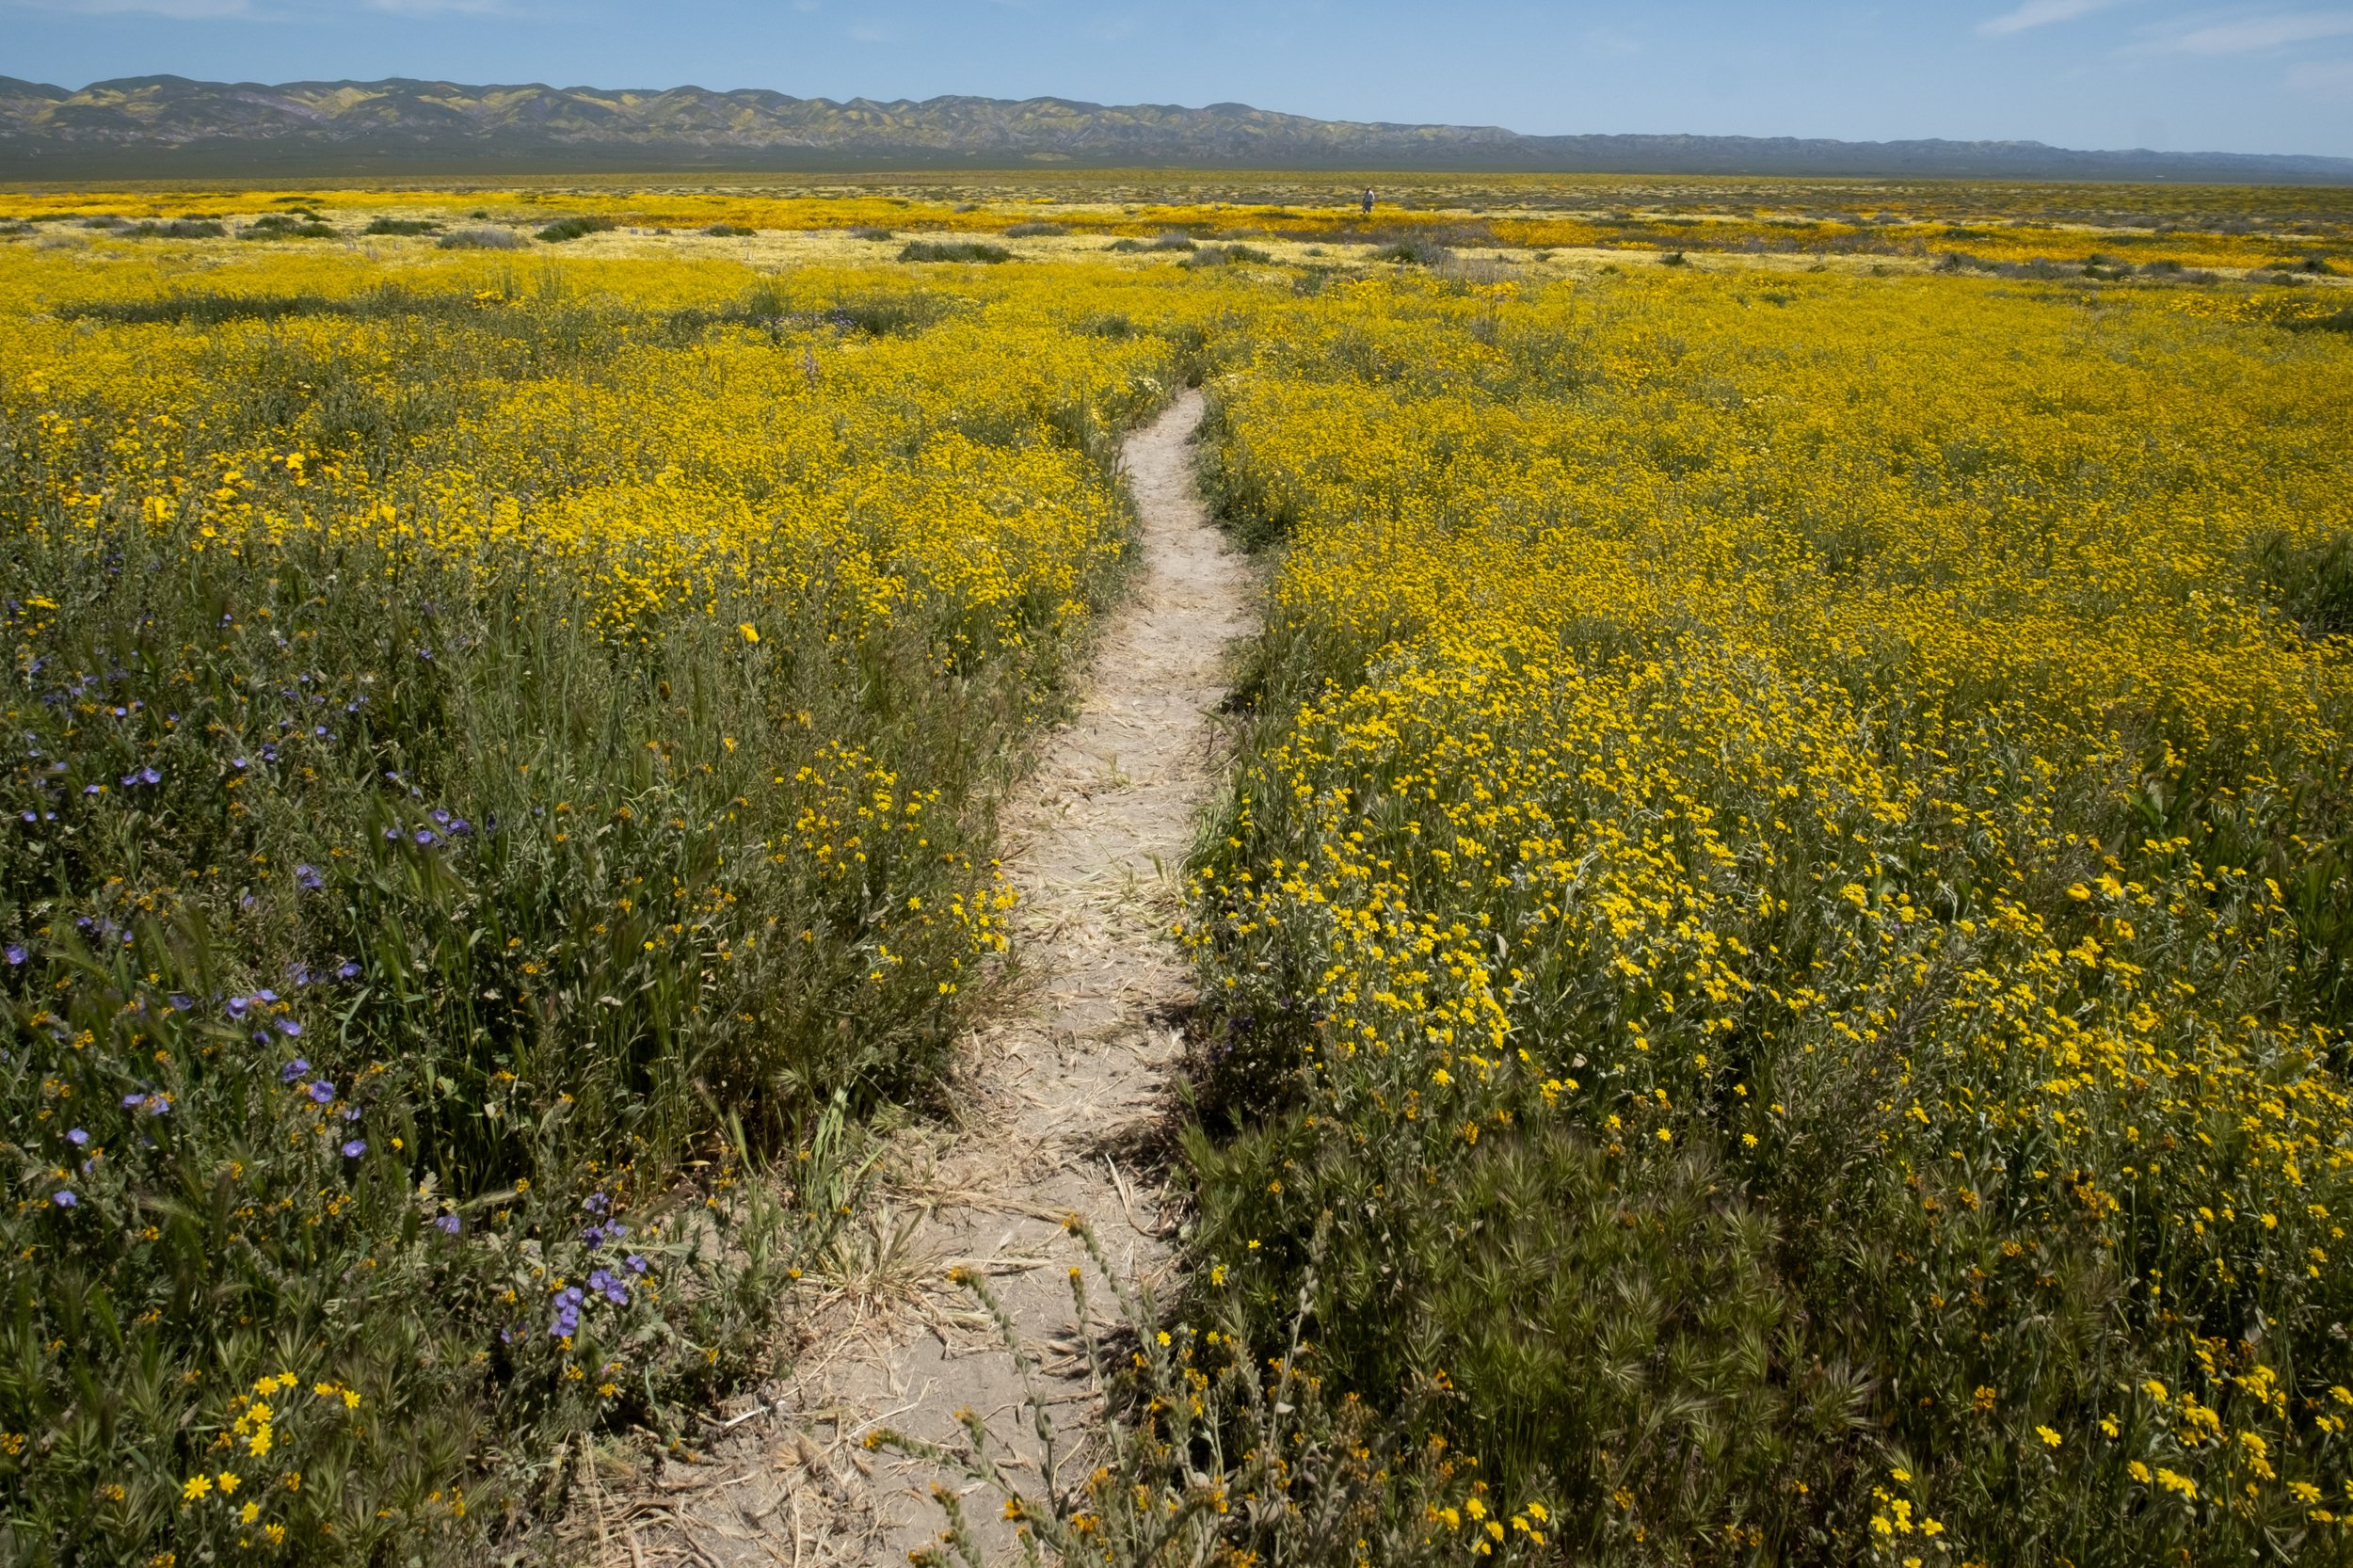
[[160, 126]]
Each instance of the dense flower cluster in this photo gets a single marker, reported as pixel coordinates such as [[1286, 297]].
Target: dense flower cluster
[[1789, 907]]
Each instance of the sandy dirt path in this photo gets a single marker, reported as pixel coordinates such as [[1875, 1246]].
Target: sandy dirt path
[[1054, 1097]]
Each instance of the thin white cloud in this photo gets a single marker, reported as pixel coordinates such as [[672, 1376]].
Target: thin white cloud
[[440, 8], [2250, 35], [2040, 13]]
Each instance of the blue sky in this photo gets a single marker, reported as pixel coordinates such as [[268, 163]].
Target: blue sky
[[2230, 77]]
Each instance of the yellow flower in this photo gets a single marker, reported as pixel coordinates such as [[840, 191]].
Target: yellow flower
[[751, 632]]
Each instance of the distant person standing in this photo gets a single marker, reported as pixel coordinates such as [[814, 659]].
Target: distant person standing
[[1367, 204]]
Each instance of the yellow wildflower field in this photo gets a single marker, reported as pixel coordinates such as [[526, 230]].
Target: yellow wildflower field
[[1776, 954], [1788, 905]]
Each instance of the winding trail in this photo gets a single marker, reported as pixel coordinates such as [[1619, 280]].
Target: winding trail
[[1054, 1098]]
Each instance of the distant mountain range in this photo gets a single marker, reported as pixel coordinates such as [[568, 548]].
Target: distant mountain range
[[167, 126]]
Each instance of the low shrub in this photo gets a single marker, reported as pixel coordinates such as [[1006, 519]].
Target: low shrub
[[484, 238], [1415, 250], [730, 231], [565, 229], [1033, 229], [402, 226], [175, 229], [287, 226], [1224, 255], [954, 250]]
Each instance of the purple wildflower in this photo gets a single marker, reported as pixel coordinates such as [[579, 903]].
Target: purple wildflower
[[354, 1149], [294, 1069]]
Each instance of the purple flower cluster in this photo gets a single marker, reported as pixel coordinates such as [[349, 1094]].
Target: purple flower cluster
[[568, 1303], [100, 928], [443, 828], [600, 1230]]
